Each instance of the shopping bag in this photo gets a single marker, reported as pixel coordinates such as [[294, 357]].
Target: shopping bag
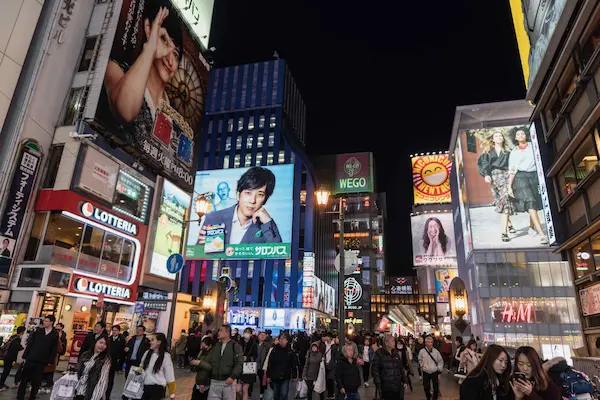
[[64, 388], [269, 393], [134, 385], [301, 390], [249, 368], [320, 384]]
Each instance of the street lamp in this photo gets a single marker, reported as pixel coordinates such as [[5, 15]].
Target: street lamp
[[201, 206], [322, 200]]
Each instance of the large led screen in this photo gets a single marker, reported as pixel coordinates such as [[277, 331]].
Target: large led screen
[[443, 278], [169, 228], [431, 178], [433, 239], [249, 215], [506, 198], [153, 94]]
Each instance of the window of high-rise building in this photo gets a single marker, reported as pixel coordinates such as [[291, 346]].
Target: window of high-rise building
[[88, 54], [74, 104]]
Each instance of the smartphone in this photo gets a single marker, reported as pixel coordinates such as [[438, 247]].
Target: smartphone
[[518, 375]]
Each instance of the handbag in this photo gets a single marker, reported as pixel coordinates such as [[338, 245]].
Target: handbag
[[301, 390], [64, 388], [134, 385], [249, 368], [320, 384]]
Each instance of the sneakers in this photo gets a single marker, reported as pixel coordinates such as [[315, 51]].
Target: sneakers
[[366, 384], [3, 388]]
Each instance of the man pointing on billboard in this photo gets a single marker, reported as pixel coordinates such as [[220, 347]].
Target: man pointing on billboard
[[247, 221]]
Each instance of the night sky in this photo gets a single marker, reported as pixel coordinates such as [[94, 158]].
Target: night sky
[[380, 78]]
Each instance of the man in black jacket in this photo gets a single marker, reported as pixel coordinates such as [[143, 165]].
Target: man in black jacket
[[347, 374], [40, 351], [92, 337], [283, 366], [331, 354], [13, 346], [388, 371], [117, 355]]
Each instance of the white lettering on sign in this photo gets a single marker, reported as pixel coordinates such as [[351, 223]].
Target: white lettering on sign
[[521, 313], [84, 285], [88, 210], [353, 183]]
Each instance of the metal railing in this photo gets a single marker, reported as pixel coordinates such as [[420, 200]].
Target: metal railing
[[588, 365]]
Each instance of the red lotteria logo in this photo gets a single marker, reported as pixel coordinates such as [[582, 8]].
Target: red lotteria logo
[[81, 284], [87, 209]]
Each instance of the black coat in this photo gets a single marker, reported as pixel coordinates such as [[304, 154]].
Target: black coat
[[335, 356], [117, 351], [63, 342], [90, 341], [388, 371], [283, 364], [145, 345], [95, 374], [14, 346], [42, 348], [347, 375], [475, 387]]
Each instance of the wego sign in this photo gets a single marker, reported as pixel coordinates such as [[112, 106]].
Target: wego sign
[[353, 173]]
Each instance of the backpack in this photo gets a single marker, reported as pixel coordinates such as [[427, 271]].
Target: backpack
[[574, 382], [5, 347]]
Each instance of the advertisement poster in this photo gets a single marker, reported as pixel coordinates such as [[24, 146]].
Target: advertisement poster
[[243, 317], [98, 175], [508, 201], [353, 173], [275, 317], [250, 214], [124, 320], [159, 128], [433, 239], [443, 277], [298, 320], [81, 321], [76, 344], [462, 199], [150, 320], [590, 300], [431, 179], [173, 212]]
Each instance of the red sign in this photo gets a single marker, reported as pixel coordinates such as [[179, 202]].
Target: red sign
[[100, 302], [75, 348], [98, 287], [523, 312]]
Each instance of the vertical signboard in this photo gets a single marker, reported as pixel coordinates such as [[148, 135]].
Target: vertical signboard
[[431, 178], [353, 173], [18, 196]]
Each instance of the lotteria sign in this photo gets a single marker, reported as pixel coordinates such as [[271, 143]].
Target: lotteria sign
[[89, 211], [94, 288], [353, 173]]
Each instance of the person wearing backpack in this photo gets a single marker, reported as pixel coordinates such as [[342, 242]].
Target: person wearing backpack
[[9, 352]]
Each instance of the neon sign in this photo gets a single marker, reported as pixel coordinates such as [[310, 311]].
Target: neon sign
[[524, 312]]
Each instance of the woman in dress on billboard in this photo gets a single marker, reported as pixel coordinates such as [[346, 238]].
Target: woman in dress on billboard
[[435, 241], [492, 164], [136, 91], [523, 184]]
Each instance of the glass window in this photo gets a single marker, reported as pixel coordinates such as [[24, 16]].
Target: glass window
[[585, 158], [545, 275], [53, 164], [471, 143], [63, 232], [259, 143], [111, 255], [596, 248], [74, 103], [566, 84], [228, 143], [567, 180], [271, 139], [225, 162], [590, 40], [91, 248], [88, 54], [126, 264], [36, 236], [132, 196], [584, 263], [553, 109], [577, 210]]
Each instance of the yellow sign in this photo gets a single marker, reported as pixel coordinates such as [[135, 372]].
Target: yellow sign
[[431, 179], [353, 321]]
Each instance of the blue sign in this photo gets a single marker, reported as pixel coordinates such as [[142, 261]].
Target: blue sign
[[174, 263]]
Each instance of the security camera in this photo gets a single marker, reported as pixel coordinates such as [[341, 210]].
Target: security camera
[[77, 135]]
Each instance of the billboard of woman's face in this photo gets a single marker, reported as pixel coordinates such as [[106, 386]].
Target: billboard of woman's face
[[433, 239]]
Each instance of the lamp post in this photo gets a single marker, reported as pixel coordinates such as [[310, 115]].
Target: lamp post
[[322, 200], [201, 205]]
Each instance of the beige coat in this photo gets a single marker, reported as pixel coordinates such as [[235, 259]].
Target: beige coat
[[469, 359]]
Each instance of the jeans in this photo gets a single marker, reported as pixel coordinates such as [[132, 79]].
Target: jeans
[[330, 384], [219, 390], [366, 370], [311, 389], [32, 372], [350, 396], [181, 360], [261, 374], [8, 364], [280, 389], [428, 379]]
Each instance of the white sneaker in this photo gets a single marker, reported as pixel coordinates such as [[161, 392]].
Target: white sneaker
[[366, 384]]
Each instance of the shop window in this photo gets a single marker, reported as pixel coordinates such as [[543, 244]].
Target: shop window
[[126, 263], [567, 180], [88, 54], [583, 260], [586, 158], [53, 164], [111, 255], [63, 232], [590, 39], [74, 104], [91, 248], [36, 237]]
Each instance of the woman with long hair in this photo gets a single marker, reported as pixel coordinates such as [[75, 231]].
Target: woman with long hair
[[250, 348], [92, 371], [158, 369], [523, 184], [469, 357], [490, 378], [435, 241], [537, 384], [492, 164]]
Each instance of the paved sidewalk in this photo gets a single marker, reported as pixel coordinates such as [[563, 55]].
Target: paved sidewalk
[[185, 381]]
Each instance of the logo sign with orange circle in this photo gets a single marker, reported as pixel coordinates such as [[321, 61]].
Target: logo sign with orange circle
[[431, 179]]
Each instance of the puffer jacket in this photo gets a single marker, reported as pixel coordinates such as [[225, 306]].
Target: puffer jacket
[[347, 375], [283, 364], [388, 371], [203, 374], [312, 365]]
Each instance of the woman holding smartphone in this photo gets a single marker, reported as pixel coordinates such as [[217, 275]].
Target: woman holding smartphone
[[530, 380], [490, 378]]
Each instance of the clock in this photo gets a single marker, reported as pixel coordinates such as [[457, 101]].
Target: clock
[[187, 92]]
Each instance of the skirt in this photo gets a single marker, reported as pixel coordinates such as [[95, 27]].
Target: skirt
[[503, 202], [526, 189]]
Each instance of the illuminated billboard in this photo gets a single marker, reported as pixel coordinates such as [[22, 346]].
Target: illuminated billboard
[[504, 192], [353, 173], [431, 178], [198, 15], [172, 215], [249, 215], [153, 93], [433, 239], [443, 278], [535, 23]]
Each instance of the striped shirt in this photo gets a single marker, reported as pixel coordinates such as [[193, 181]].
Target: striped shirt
[[101, 385]]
